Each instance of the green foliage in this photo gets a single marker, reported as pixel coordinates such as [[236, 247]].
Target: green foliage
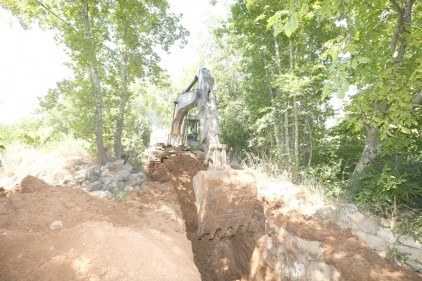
[[393, 180], [120, 43], [411, 226]]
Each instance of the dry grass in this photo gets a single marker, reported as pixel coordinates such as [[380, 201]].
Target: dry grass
[[51, 165]]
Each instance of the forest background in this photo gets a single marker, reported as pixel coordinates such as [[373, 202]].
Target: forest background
[[278, 68]]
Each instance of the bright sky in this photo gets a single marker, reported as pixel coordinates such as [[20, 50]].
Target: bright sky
[[31, 62]]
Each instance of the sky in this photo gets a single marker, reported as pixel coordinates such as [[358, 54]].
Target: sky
[[31, 62]]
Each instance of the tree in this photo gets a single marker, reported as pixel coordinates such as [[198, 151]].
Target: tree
[[379, 52], [281, 78], [105, 38]]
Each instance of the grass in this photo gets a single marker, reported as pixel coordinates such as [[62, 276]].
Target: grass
[[50, 163]]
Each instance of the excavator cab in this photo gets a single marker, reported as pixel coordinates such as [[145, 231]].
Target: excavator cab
[[225, 198], [192, 131]]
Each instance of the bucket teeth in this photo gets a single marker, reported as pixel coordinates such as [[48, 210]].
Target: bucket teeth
[[224, 200]]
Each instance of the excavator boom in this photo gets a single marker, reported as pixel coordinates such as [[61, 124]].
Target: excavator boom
[[225, 198]]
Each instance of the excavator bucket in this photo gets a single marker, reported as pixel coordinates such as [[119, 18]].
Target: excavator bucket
[[225, 200]]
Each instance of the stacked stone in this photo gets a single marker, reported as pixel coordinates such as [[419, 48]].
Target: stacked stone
[[107, 181], [380, 239], [291, 257]]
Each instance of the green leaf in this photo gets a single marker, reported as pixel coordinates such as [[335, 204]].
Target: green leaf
[[363, 59], [291, 26]]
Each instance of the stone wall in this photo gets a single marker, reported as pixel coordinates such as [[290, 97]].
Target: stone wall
[[403, 249], [286, 256]]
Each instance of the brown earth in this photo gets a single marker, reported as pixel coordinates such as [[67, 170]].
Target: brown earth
[[143, 237]]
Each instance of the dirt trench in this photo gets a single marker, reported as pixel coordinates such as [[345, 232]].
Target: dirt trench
[[225, 259], [240, 257]]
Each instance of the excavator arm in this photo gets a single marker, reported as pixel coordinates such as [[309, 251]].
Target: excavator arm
[[225, 198]]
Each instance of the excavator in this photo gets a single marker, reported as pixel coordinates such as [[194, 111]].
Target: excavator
[[224, 198]]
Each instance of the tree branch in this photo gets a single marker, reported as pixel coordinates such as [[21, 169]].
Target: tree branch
[[398, 8]]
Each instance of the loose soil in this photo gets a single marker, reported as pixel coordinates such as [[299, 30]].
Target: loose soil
[[143, 236]]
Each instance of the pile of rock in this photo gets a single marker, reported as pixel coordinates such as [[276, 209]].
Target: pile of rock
[[106, 181]]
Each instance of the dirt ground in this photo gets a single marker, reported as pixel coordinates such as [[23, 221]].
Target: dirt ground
[[143, 236]]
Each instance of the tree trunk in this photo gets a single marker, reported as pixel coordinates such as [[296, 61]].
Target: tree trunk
[[372, 146], [118, 146], [286, 131], [296, 131], [286, 112], [277, 120], [95, 80], [309, 137], [398, 48]]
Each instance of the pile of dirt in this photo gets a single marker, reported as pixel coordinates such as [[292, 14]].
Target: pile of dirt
[[92, 238]]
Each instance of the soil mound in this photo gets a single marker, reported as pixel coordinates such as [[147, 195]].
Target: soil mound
[[52, 233]]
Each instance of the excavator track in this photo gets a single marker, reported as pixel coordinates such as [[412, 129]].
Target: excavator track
[[225, 200]]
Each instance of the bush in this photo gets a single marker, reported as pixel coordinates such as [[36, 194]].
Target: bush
[[389, 182]]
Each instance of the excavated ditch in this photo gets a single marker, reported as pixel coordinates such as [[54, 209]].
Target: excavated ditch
[[217, 259]]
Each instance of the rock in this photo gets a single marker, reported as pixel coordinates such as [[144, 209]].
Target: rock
[[325, 212], [356, 217], [85, 184], [94, 173], [361, 235], [97, 185], [109, 166], [80, 176], [368, 226], [410, 251], [414, 265], [102, 194], [387, 235], [347, 209], [311, 247], [64, 182], [375, 243], [119, 164], [107, 181], [72, 184], [55, 225], [128, 188], [321, 271], [123, 175], [106, 173], [132, 181], [127, 167], [137, 180], [409, 241], [343, 225]]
